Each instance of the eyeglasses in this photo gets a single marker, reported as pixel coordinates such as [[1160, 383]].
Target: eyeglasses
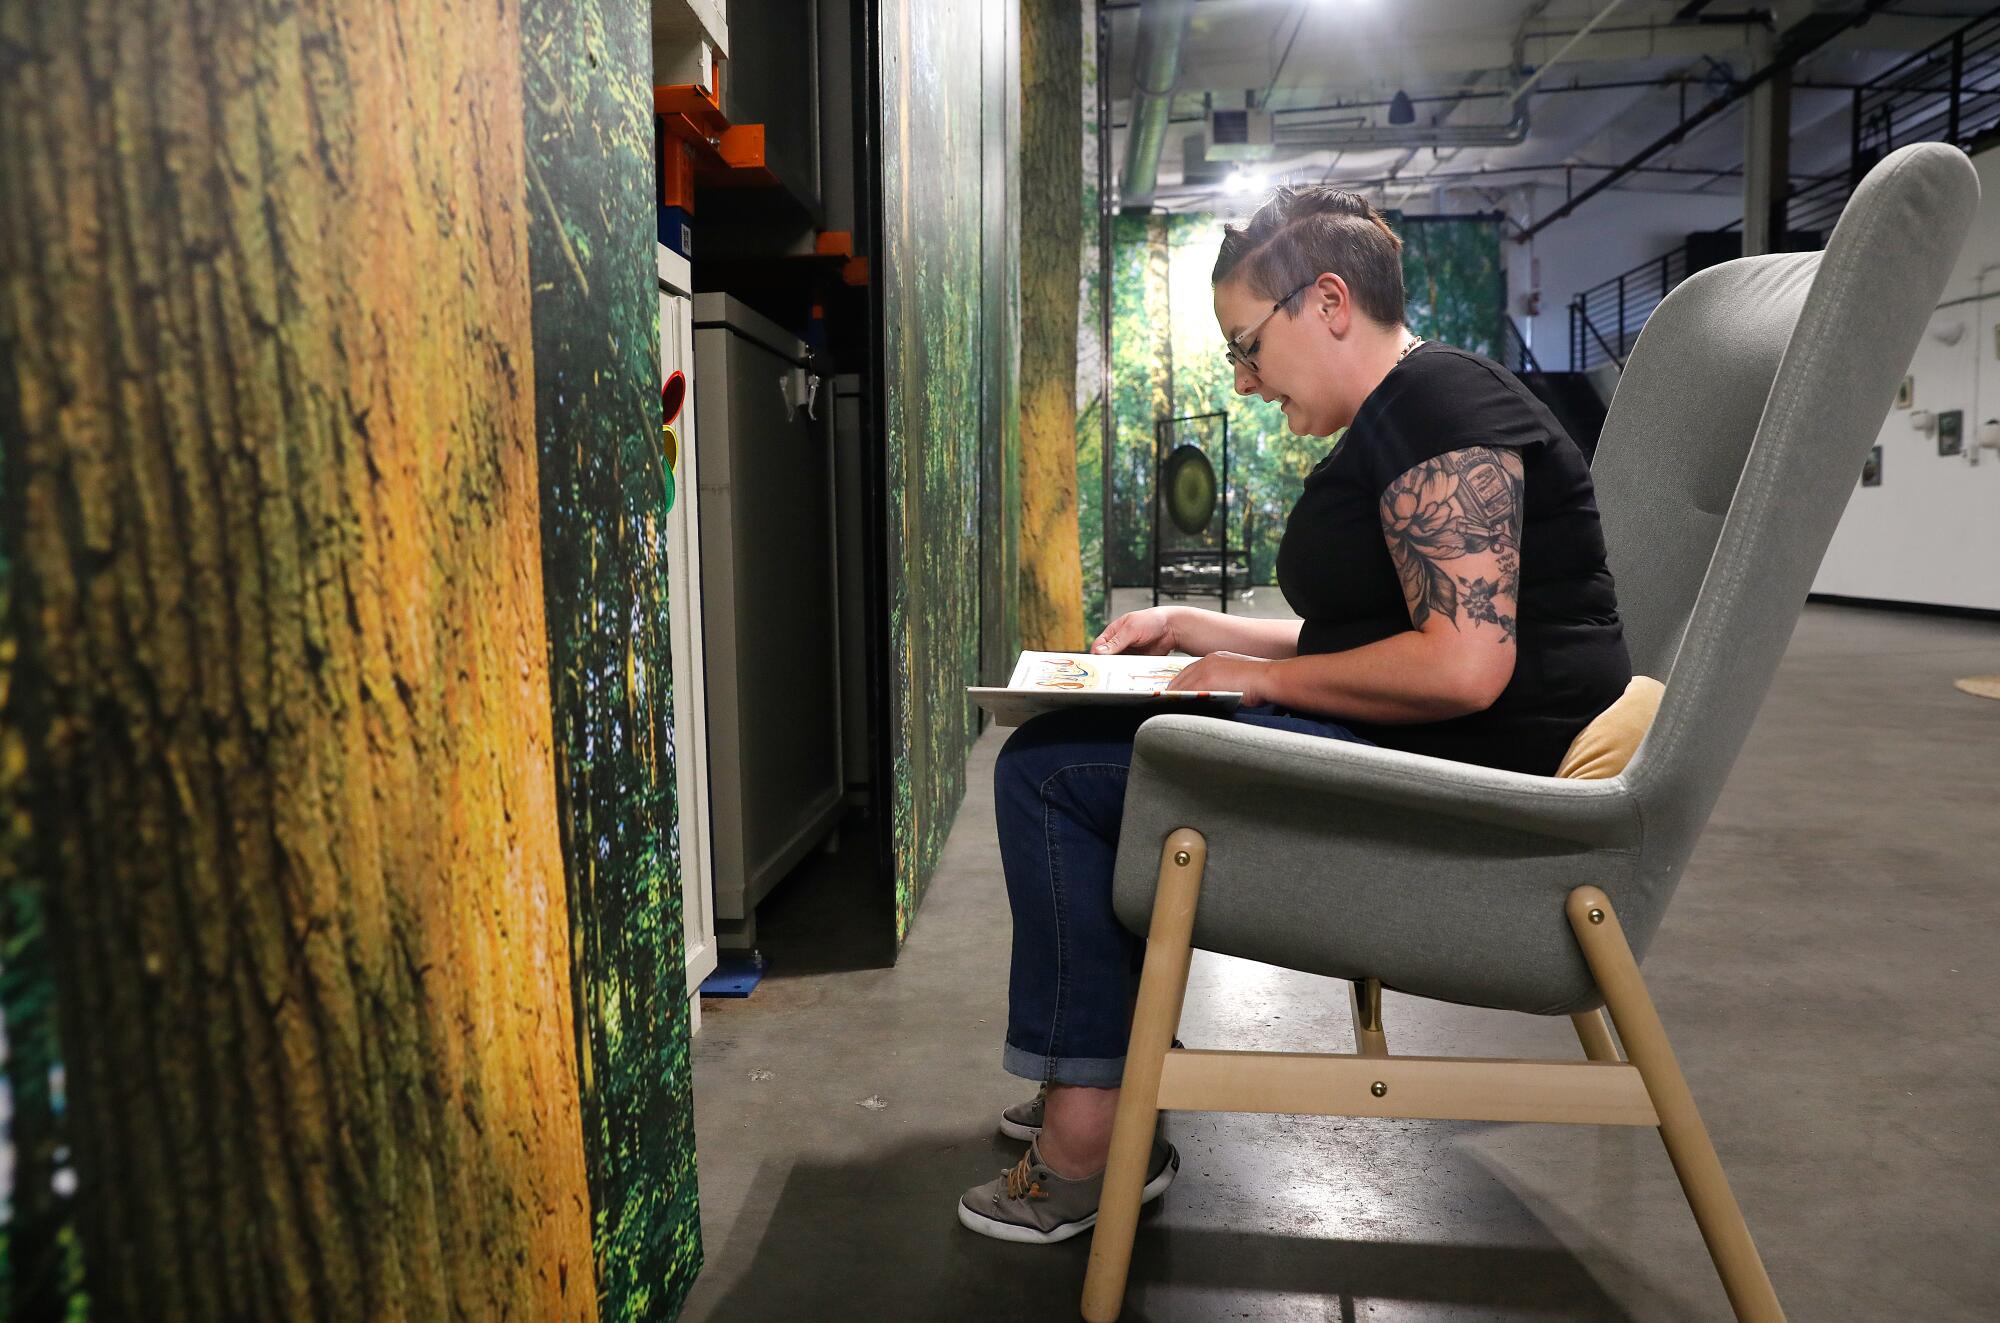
[[1246, 357]]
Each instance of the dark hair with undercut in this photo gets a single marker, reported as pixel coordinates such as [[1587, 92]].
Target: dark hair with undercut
[[1302, 233]]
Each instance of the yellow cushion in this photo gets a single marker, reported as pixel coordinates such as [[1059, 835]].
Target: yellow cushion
[[1602, 748]]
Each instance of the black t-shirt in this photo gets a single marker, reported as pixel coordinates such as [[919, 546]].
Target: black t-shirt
[[1334, 567]]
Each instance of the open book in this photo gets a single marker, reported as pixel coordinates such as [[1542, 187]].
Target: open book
[[1045, 681]]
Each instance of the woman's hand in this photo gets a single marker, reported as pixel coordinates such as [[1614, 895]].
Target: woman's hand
[[1149, 633], [1227, 672]]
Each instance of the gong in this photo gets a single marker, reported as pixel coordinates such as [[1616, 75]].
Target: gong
[[1188, 483]]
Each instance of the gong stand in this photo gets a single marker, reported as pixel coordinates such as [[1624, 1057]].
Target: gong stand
[[1164, 430]]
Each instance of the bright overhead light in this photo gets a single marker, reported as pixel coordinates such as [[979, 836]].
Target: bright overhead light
[[1245, 181]]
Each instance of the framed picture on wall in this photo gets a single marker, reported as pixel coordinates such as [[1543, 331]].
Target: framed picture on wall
[[1906, 393], [1871, 468], [1951, 432]]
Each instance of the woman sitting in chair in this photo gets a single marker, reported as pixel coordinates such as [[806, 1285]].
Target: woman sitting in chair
[[1448, 565]]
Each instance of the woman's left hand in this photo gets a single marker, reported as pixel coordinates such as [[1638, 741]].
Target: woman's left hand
[[1227, 672]]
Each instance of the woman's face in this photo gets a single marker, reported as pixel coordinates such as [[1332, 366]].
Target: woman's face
[[1302, 359]]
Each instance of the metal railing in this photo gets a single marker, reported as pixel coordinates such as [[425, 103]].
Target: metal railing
[[1947, 92], [1605, 319], [1512, 351]]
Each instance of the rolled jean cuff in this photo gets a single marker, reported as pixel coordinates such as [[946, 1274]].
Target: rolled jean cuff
[[1089, 1072]]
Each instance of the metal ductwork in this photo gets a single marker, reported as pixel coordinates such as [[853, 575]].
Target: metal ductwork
[[1386, 137], [1156, 68]]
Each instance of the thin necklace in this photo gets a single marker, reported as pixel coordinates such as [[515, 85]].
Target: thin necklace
[[1341, 435]]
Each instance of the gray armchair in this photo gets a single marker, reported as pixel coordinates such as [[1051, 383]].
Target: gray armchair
[[1736, 435]]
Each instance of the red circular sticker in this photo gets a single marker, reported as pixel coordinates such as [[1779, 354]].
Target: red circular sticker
[[672, 395]]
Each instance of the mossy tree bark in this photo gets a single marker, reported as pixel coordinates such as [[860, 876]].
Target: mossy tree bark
[[283, 673], [1051, 267]]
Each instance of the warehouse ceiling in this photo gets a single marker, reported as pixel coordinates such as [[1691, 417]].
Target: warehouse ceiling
[[1602, 81]]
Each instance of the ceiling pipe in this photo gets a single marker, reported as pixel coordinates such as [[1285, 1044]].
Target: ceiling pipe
[[1611, 85], [1156, 69], [1313, 137], [1529, 85]]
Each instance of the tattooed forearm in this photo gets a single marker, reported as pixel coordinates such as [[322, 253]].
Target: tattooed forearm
[[1465, 503]]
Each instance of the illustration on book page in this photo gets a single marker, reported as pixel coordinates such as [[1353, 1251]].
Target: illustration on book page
[[1111, 675]]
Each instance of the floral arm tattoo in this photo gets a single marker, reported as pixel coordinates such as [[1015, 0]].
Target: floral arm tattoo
[[1463, 506]]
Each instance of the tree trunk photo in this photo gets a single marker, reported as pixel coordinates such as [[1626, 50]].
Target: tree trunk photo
[[1051, 268], [282, 681]]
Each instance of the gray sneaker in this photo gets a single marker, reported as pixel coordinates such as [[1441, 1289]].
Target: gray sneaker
[[1024, 1119], [1031, 1205]]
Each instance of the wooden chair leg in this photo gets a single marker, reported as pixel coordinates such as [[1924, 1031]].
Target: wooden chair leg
[[1155, 1017], [1681, 1128], [1365, 1000], [1594, 1031]]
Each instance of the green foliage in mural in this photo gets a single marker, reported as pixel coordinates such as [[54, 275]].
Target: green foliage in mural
[[41, 1256], [1132, 351], [1166, 359], [587, 77], [931, 345], [1454, 280]]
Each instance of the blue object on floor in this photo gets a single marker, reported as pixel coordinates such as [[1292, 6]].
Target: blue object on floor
[[734, 976]]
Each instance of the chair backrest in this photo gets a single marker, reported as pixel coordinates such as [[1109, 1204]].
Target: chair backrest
[[1734, 440], [1678, 432]]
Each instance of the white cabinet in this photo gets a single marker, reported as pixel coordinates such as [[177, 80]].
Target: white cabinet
[[684, 609], [769, 595]]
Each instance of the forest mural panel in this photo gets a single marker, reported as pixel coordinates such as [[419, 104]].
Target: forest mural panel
[[1166, 360], [584, 113], [1090, 402], [1000, 493], [932, 347], [278, 661], [587, 80]]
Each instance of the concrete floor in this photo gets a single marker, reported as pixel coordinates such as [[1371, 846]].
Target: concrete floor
[[1826, 972]]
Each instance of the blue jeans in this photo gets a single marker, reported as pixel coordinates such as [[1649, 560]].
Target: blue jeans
[[1058, 798]]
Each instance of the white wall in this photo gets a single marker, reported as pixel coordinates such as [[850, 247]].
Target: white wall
[[1613, 232], [1930, 534]]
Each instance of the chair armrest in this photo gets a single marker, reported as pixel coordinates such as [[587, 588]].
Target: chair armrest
[[1299, 771]]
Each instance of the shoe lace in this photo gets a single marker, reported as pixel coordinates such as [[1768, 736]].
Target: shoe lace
[[1021, 1182]]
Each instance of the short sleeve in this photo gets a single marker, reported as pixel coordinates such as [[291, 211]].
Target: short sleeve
[[1438, 402]]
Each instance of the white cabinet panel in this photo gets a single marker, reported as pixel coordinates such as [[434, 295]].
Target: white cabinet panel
[[684, 611]]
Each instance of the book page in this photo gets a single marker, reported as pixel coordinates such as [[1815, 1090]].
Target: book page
[[1072, 672], [1051, 681]]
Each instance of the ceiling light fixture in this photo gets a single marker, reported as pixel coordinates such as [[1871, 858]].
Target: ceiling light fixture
[[1400, 109]]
